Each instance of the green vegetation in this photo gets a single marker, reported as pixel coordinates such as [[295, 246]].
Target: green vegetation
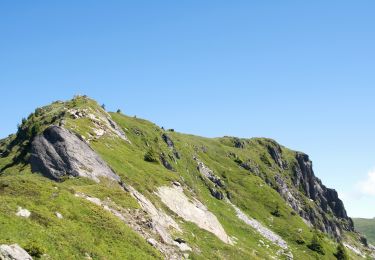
[[87, 229], [341, 253], [151, 156], [316, 243]]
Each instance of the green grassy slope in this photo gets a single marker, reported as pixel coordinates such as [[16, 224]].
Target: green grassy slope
[[366, 227], [87, 229]]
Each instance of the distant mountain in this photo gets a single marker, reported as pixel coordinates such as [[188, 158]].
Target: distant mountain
[[366, 227], [77, 182]]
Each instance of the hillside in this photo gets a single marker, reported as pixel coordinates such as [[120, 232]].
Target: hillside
[[77, 182], [366, 227]]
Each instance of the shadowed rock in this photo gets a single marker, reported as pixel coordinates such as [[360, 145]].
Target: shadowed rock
[[57, 153], [168, 140]]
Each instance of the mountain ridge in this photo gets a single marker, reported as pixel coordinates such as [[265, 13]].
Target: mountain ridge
[[269, 185]]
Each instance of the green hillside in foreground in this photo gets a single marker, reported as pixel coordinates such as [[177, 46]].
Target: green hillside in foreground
[[366, 227], [74, 217]]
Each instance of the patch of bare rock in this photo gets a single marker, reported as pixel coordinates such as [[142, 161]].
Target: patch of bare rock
[[13, 252]]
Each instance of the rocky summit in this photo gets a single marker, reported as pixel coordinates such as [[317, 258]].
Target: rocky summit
[[78, 182]]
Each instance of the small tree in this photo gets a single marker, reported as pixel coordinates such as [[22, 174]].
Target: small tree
[[118, 111], [316, 244], [341, 253]]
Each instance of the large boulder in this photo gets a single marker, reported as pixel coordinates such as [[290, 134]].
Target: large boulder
[[13, 252], [58, 153]]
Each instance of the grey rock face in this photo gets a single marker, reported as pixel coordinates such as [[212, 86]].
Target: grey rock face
[[57, 153], [170, 144], [217, 194], [326, 199], [165, 162], [168, 140], [13, 252], [208, 173], [275, 152]]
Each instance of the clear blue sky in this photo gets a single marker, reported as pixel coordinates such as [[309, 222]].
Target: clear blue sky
[[301, 72]]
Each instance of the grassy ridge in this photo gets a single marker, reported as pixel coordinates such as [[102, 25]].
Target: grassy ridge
[[87, 229]]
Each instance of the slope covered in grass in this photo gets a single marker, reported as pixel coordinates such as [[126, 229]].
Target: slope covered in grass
[[89, 230]]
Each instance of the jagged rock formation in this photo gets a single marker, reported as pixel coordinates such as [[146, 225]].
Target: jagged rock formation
[[326, 199], [275, 152], [58, 153], [13, 252]]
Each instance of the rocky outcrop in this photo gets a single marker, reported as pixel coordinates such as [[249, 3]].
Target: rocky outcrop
[[216, 193], [287, 194], [168, 140], [208, 173], [326, 199], [23, 213], [170, 144], [13, 252], [166, 164], [276, 154], [149, 222], [193, 211], [58, 153], [238, 143], [102, 122]]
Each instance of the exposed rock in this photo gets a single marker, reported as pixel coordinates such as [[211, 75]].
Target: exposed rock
[[168, 140], [286, 193], [216, 193], [354, 250], [276, 154], [165, 162], [170, 144], [13, 252], [24, 213], [152, 242], [193, 211], [59, 215], [265, 232], [146, 222], [205, 171], [102, 121], [183, 247], [326, 199], [250, 166], [58, 153]]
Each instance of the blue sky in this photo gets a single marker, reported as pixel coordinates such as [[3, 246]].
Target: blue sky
[[301, 72]]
